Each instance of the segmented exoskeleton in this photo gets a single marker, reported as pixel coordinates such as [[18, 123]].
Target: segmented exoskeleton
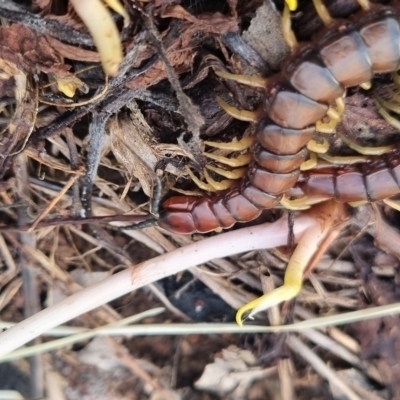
[[312, 77]]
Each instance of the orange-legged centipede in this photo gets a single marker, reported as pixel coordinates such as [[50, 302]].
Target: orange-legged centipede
[[316, 74]]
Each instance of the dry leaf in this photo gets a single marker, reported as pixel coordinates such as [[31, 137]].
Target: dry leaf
[[28, 50], [69, 84], [73, 52], [232, 374], [133, 146]]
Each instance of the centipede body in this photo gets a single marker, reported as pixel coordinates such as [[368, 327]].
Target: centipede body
[[343, 55]]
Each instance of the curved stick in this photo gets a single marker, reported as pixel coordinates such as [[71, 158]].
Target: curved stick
[[253, 238]]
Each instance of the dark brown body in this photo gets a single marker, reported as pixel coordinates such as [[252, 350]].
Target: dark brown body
[[346, 54]]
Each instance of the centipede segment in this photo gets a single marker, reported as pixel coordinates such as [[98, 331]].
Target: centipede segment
[[305, 97], [308, 91]]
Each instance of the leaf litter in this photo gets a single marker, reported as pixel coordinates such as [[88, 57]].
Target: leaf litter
[[61, 116]]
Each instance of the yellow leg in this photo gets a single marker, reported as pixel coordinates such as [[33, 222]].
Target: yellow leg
[[392, 104], [334, 115], [392, 203], [242, 115], [366, 85], [310, 163], [322, 12], [396, 79], [357, 203], [212, 185], [292, 4], [235, 174], [218, 186], [394, 93], [202, 185], [295, 205], [364, 4], [242, 144], [240, 161], [288, 34], [367, 151], [340, 160], [312, 239], [328, 127], [254, 81], [340, 106], [316, 147], [386, 116]]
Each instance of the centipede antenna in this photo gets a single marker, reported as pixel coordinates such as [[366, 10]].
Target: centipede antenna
[[287, 31], [322, 12], [140, 225]]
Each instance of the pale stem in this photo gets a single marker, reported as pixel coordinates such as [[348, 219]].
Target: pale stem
[[258, 237]]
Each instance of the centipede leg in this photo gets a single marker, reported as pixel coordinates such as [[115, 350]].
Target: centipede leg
[[288, 34], [366, 151], [384, 105], [202, 185], [218, 186], [306, 253], [387, 117], [396, 79], [253, 81], [364, 4], [392, 203], [310, 163], [322, 12], [242, 144], [366, 85], [210, 185], [292, 4], [242, 115], [334, 115], [235, 174], [296, 204], [240, 161], [343, 160], [393, 103], [316, 147]]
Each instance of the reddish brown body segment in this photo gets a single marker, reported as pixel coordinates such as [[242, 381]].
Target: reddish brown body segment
[[373, 181], [345, 54]]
